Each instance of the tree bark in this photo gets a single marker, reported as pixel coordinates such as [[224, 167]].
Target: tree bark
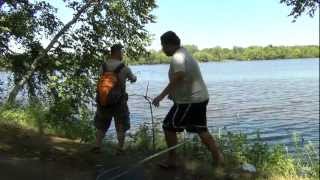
[[15, 90]]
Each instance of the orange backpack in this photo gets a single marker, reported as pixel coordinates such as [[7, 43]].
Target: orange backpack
[[108, 90]]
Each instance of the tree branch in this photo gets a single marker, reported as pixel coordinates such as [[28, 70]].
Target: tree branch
[[13, 93]]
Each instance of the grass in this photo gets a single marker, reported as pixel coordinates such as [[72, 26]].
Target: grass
[[31, 131], [55, 120]]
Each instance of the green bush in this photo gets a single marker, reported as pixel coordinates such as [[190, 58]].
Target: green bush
[[59, 119]]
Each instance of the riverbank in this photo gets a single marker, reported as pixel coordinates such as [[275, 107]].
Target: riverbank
[[27, 152]]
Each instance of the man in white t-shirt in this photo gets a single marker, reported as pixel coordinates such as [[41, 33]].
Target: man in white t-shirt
[[189, 93]]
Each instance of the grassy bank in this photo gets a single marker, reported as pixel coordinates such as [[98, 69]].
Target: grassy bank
[[30, 132]]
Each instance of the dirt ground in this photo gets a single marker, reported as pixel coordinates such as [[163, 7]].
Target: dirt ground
[[26, 154]]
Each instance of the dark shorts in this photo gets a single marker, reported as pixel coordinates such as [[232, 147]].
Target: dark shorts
[[190, 117], [119, 112]]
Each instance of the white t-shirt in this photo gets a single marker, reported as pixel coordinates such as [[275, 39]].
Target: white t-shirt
[[192, 88]]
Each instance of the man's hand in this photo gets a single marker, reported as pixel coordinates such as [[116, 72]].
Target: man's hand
[[156, 101], [178, 76], [133, 79]]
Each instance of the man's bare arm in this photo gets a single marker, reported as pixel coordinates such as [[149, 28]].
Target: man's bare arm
[[177, 77]]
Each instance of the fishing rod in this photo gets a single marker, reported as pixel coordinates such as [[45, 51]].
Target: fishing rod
[[149, 100]]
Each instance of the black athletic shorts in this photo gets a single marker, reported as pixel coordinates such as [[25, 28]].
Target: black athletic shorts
[[119, 112], [190, 117]]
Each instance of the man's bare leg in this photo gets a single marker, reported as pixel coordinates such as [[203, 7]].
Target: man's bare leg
[[120, 136], [99, 137], [171, 140], [213, 147]]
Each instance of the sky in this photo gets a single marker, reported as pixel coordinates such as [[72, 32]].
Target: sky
[[227, 23]]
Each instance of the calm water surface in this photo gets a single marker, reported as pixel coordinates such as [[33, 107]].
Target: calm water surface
[[276, 97]]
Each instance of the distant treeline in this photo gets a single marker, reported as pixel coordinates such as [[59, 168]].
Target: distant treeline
[[236, 53], [220, 54]]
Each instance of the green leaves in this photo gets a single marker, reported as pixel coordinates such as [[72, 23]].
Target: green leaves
[[78, 48], [23, 22], [300, 6]]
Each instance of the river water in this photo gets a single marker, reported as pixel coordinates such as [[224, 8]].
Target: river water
[[276, 97]]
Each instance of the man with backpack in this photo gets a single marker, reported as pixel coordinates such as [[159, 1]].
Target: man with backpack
[[112, 98]]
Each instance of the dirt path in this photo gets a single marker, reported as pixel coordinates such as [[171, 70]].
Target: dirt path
[[27, 155], [33, 169]]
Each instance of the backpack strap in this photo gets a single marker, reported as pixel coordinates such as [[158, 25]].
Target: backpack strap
[[104, 67], [118, 69]]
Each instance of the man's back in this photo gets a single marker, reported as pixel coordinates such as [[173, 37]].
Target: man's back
[[124, 74], [192, 89]]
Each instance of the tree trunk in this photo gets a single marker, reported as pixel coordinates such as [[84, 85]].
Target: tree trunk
[[33, 98], [14, 92]]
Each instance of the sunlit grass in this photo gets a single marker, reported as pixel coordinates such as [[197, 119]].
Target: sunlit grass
[[271, 161]]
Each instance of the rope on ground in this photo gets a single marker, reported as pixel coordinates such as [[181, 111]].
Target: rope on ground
[[142, 162], [107, 171]]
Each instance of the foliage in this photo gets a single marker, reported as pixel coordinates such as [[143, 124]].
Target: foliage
[[236, 53], [270, 160], [153, 57], [191, 48], [103, 23], [76, 48], [2, 63], [55, 120], [23, 23], [300, 6], [141, 140]]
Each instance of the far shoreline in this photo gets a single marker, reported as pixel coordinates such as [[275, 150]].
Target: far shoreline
[[220, 61], [233, 60]]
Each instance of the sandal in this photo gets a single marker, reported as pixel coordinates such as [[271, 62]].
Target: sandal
[[119, 152], [96, 150], [166, 165], [218, 161]]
